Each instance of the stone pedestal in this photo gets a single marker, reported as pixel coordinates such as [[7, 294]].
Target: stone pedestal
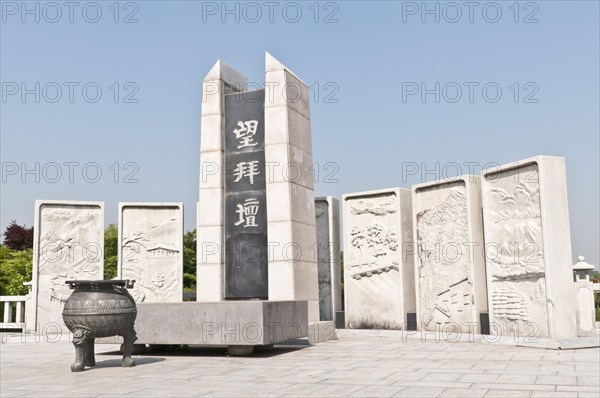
[[328, 256], [223, 323], [378, 262], [449, 265], [68, 244], [586, 311], [150, 249], [528, 249]]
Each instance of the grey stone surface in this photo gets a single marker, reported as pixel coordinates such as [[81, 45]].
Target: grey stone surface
[[586, 311], [68, 244], [450, 276], [451, 335], [328, 256], [528, 249], [293, 273], [319, 332], [251, 322], [378, 262], [151, 250], [351, 366], [210, 220], [292, 268], [246, 243]]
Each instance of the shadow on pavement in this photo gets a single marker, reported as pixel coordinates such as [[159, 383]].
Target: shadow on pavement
[[116, 363], [203, 351]]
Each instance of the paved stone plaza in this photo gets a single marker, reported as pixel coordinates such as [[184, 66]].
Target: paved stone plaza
[[351, 366]]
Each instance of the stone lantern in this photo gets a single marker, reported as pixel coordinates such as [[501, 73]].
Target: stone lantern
[[582, 270], [584, 298]]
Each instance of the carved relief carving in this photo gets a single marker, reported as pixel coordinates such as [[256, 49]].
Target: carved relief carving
[[151, 252], [69, 248], [515, 251], [371, 262], [323, 260], [445, 269]]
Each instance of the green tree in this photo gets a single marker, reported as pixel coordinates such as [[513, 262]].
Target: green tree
[[189, 261], [15, 268], [111, 246], [18, 237]]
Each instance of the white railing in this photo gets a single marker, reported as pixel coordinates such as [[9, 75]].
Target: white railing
[[18, 320]]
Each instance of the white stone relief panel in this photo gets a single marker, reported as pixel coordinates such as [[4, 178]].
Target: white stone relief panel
[[323, 260], [515, 252], [69, 245], [445, 274], [151, 250], [373, 281]]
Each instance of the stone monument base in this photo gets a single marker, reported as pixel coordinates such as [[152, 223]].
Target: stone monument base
[[239, 325], [320, 332]]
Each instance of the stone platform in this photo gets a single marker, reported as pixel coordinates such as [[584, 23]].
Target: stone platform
[[240, 325], [516, 341], [352, 366]]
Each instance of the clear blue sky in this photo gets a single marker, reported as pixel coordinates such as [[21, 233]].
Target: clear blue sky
[[366, 61]]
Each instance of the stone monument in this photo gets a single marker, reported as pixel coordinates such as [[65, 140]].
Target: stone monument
[[257, 281], [528, 249], [328, 256], [151, 250], [68, 244], [450, 264], [584, 288], [378, 262], [256, 215]]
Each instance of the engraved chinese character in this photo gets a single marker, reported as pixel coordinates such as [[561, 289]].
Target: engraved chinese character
[[247, 213], [245, 133], [247, 170]]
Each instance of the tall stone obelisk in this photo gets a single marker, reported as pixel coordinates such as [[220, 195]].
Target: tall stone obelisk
[[232, 250]]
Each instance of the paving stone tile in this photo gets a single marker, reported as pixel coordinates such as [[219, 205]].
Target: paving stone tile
[[552, 394], [337, 390], [516, 379], [507, 393], [557, 380], [357, 366], [418, 392], [441, 377], [362, 382], [408, 376], [588, 380], [463, 392], [432, 384], [377, 391], [479, 378], [501, 386], [579, 389], [300, 390], [489, 365]]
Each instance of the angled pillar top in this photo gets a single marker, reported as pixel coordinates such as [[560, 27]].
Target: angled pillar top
[[224, 72], [272, 64]]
